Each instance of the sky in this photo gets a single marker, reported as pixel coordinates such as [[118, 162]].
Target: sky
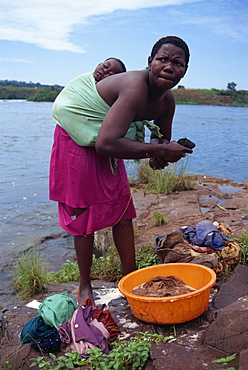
[[51, 42]]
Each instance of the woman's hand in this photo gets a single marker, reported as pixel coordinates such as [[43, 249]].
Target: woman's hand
[[158, 163], [171, 152]]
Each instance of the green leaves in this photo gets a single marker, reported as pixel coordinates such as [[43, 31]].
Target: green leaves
[[224, 362], [125, 355]]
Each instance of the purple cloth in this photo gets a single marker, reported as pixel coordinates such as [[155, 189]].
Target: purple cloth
[[83, 329], [83, 332]]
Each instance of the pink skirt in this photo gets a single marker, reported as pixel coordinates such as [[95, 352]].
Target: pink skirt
[[81, 178]]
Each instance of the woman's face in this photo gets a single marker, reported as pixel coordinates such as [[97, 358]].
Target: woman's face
[[167, 67]]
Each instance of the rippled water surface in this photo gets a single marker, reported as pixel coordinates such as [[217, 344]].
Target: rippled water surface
[[220, 134]]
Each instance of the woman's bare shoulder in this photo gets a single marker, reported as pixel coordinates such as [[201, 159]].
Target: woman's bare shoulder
[[122, 84]]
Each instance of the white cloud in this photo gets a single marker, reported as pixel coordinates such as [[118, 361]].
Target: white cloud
[[49, 24], [15, 60]]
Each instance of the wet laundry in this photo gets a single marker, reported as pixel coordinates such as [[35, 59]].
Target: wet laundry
[[161, 286]]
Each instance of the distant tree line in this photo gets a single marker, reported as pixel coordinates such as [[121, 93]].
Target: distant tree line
[[28, 91], [15, 83], [47, 93], [229, 97]]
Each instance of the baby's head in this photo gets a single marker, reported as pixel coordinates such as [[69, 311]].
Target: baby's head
[[109, 67]]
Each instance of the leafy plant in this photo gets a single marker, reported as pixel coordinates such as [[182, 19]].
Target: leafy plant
[[30, 274], [224, 362], [108, 267], [124, 355], [69, 272], [145, 256]]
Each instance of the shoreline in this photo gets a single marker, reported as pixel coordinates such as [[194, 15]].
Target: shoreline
[[177, 103]]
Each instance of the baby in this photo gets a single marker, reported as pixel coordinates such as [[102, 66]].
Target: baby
[[109, 67]]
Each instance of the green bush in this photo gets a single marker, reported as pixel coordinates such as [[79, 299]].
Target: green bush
[[159, 218], [243, 243], [30, 275], [165, 181], [69, 272]]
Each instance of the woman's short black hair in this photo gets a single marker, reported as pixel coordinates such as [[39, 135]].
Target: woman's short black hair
[[177, 41]]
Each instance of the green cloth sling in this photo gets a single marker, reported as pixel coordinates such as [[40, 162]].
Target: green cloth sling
[[80, 111]]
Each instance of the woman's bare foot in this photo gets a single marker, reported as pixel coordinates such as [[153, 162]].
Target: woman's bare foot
[[85, 293]]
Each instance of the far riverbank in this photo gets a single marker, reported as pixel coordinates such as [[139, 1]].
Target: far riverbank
[[214, 97]]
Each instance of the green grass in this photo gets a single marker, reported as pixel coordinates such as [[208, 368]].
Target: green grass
[[30, 275], [158, 218], [243, 243], [126, 354], [165, 181], [68, 272], [107, 268]]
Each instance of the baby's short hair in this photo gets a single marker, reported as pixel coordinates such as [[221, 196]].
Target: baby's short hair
[[177, 41], [120, 62]]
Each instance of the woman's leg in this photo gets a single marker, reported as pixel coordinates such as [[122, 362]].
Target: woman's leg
[[124, 240], [84, 251]]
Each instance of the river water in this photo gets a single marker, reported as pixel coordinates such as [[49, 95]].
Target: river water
[[220, 134]]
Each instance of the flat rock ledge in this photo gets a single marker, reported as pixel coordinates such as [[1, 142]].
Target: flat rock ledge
[[220, 331]]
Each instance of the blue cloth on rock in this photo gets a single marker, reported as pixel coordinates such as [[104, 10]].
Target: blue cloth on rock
[[50, 342], [34, 329], [205, 234]]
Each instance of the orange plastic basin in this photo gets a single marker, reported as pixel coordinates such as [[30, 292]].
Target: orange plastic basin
[[174, 309]]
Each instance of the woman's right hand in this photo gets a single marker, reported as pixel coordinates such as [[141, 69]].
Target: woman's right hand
[[170, 152]]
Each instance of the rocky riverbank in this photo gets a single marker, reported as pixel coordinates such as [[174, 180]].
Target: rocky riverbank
[[222, 330]]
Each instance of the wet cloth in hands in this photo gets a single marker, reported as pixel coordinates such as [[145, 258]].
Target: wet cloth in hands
[[161, 286], [57, 309], [205, 234], [83, 332]]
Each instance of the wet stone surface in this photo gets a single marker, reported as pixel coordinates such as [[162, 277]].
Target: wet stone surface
[[190, 349]]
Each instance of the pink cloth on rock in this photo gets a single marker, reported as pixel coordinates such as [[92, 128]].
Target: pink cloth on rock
[[81, 178]]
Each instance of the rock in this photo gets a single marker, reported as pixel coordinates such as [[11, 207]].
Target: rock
[[186, 352], [229, 331], [243, 360], [236, 286]]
